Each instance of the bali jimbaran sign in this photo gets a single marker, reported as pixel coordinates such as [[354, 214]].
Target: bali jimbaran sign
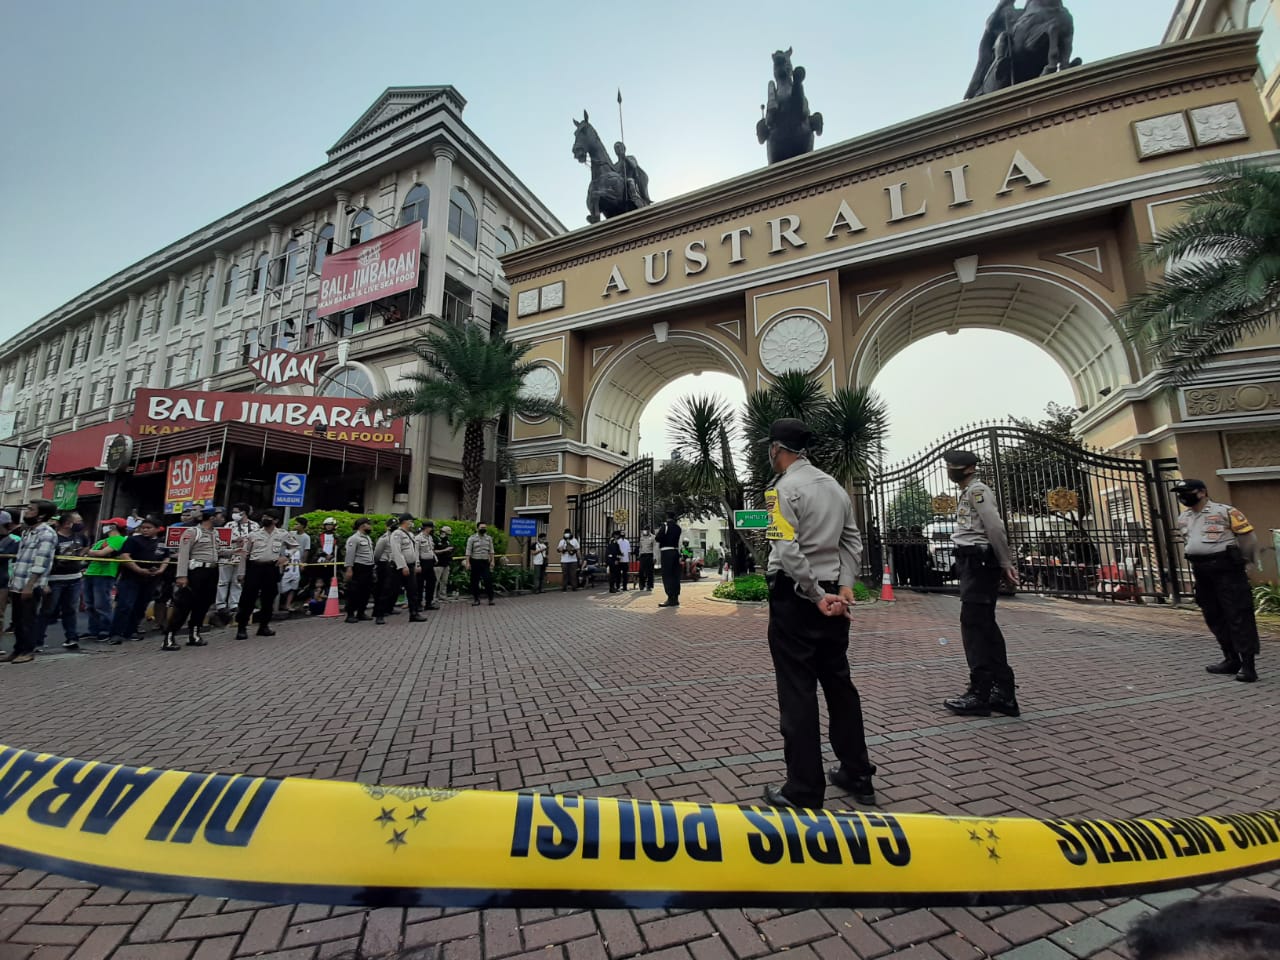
[[162, 412], [371, 270]]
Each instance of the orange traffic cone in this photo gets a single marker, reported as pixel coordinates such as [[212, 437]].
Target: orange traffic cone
[[886, 587], [331, 608]]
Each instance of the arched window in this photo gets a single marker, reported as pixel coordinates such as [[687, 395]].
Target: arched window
[[157, 318], [324, 247], [362, 227], [503, 241], [415, 205], [260, 273], [181, 305], [348, 383], [206, 298], [229, 285], [462, 217], [292, 253]]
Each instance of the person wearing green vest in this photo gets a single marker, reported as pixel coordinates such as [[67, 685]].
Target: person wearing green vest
[[100, 577]]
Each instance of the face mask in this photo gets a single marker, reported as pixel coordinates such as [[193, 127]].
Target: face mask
[[33, 521], [1189, 498], [237, 516], [77, 527], [108, 530], [482, 531], [957, 475]]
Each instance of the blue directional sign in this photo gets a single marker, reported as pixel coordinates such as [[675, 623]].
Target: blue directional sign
[[523, 527], [290, 489]]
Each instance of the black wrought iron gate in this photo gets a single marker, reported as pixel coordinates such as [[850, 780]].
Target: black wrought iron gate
[[1081, 522], [623, 502]]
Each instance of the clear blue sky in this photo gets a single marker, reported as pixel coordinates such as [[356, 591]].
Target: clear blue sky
[[129, 124]]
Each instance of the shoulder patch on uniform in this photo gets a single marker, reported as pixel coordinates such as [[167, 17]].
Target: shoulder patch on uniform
[[779, 528], [977, 498], [1239, 522]]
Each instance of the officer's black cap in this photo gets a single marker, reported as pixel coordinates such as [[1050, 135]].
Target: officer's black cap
[[1189, 485], [791, 433], [960, 458]]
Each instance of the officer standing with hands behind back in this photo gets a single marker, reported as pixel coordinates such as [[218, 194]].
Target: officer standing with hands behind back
[[1220, 544], [982, 561], [815, 553]]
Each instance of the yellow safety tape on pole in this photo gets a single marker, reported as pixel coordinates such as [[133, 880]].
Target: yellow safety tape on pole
[[320, 841]]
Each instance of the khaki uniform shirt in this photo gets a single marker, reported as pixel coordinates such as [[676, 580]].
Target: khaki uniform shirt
[[812, 533], [402, 551], [426, 547], [978, 522], [359, 550], [198, 548], [479, 548], [263, 547], [1212, 529], [647, 543], [382, 548]]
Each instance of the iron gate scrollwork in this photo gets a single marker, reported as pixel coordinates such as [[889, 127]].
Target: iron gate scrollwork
[[623, 502], [1081, 522]]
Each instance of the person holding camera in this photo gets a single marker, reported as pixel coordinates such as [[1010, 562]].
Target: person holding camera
[[568, 549], [1220, 545]]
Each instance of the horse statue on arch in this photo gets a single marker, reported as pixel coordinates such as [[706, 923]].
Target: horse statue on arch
[[787, 127], [615, 188], [1020, 45]]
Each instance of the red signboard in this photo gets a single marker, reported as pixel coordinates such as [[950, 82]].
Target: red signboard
[[158, 413], [371, 270], [172, 535], [278, 367], [192, 478]]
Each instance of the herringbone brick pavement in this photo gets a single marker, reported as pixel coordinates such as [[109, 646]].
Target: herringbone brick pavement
[[609, 695]]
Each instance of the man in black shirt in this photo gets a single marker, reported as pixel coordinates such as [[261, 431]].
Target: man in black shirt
[[669, 543], [144, 559]]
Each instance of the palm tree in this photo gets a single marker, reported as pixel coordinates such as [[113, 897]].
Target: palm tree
[[850, 427], [1223, 279], [474, 381]]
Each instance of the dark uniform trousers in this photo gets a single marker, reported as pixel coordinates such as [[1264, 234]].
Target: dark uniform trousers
[[195, 599], [26, 619], [671, 574], [390, 585], [427, 583], [360, 589], [646, 571], [481, 573], [1225, 599], [810, 649], [984, 647], [261, 584]]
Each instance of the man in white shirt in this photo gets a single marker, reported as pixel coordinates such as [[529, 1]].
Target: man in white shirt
[[568, 548], [625, 546], [228, 584], [539, 549]]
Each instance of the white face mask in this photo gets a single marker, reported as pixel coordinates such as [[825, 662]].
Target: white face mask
[[108, 530], [237, 516]]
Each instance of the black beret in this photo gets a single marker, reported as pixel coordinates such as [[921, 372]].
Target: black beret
[[1189, 484], [960, 458], [791, 433]]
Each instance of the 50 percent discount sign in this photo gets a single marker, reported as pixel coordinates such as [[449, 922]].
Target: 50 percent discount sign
[[191, 480]]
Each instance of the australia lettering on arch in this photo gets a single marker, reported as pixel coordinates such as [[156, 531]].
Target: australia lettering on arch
[[898, 202]]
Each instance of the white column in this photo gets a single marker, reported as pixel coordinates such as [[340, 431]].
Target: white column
[[438, 227], [208, 362], [166, 321], [97, 330], [122, 352]]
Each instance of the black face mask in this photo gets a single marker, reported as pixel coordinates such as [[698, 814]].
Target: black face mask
[[1189, 498], [957, 474]]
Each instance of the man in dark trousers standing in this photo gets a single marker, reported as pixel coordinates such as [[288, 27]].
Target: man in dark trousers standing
[[1220, 545], [668, 539], [359, 572], [815, 554], [983, 560], [264, 553], [646, 560]]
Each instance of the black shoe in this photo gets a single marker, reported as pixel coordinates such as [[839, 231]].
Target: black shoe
[[380, 621], [1227, 667], [969, 704], [430, 606], [670, 604], [351, 619], [170, 642], [70, 645], [1248, 673], [1004, 701], [475, 603], [114, 641], [417, 618], [265, 631], [491, 603], [364, 617], [776, 798], [860, 788], [242, 633]]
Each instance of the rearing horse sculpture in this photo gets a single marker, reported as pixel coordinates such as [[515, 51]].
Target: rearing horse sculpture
[[787, 127], [615, 188], [1020, 45]]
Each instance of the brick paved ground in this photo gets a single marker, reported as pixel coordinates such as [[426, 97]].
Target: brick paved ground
[[612, 696]]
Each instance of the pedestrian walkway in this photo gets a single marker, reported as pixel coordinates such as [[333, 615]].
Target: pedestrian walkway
[[609, 695]]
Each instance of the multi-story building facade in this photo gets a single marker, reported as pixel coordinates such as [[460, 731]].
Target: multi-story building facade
[[193, 316], [1196, 18]]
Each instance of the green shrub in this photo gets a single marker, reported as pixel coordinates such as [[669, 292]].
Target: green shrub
[[861, 592], [1266, 598], [748, 587]]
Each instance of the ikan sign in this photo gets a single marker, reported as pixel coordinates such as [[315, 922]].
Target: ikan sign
[[279, 367], [192, 479], [372, 270], [161, 412]]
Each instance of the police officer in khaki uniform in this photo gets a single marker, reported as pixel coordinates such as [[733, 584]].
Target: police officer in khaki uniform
[[401, 569], [264, 553], [478, 559], [982, 561], [199, 551], [815, 554], [1220, 544]]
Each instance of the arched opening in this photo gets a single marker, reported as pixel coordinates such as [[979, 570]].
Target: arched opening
[[633, 379]]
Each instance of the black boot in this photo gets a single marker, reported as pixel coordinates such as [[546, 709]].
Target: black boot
[[351, 618], [1004, 700], [193, 637], [1230, 665], [860, 788], [242, 633], [971, 703], [1248, 673], [265, 631], [170, 642]]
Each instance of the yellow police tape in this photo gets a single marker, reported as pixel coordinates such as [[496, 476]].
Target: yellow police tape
[[320, 841]]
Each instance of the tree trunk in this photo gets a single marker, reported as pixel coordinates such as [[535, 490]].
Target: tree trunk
[[472, 467]]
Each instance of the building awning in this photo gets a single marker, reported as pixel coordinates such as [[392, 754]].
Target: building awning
[[217, 435]]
